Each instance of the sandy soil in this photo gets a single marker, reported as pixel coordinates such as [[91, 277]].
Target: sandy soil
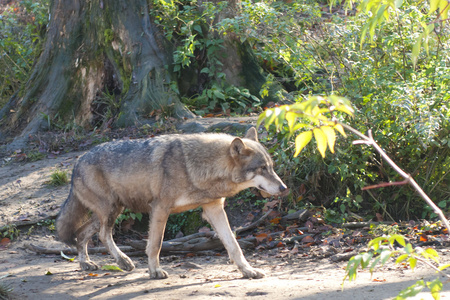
[[25, 197]]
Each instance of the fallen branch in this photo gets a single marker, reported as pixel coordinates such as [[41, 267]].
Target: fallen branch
[[72, 251], [27, 223], [352, 225], [254, 224], [343, 256], [197, 242]]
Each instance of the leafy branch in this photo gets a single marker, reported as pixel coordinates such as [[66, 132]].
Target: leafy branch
[[382, 249], [318, 117]]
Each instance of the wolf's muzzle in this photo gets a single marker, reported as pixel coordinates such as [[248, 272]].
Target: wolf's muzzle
[[283, 190]]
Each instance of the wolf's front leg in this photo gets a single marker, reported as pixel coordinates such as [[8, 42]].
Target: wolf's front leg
[[158, 220], [216, 216]]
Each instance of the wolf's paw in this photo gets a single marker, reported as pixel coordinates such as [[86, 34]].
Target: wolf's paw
[[253, 273], [158, 273], [88, 265], [125, 263]]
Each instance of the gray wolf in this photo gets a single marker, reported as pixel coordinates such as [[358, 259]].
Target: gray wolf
[[163, 175]]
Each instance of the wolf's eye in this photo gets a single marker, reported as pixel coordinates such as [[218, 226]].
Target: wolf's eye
[[263, 168]]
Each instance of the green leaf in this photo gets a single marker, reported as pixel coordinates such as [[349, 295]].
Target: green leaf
[[219, 94], [374, 263], [331, 136], [301, 141], [291, 117], [412, 262], [198, 28], [352, 267], [435, 287], [401, 258], [443, 8], [280, 113], [340, 129], [385, 255], [399, 239], [111, 268], [443, 267], [409, 248], [434, 4], [366, 257], [321, 140], [376, 242], [261, 117], [411, 291], [431, 253], [442, 204]]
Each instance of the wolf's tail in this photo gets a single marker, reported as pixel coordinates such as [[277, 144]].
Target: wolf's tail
[[72, 216]]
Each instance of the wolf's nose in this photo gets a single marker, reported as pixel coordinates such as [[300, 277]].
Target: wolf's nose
[[282, 188]]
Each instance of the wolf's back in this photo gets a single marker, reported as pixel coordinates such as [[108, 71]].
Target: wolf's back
[[71, 217]]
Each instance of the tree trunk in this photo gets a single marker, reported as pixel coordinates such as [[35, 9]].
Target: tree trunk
[[100, 58], [105, 61]]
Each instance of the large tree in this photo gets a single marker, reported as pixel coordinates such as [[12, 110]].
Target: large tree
[[105, 55]]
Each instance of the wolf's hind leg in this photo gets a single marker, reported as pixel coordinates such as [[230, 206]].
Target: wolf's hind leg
[[84, 235], [216, 216], [106, 227], [157, 225]]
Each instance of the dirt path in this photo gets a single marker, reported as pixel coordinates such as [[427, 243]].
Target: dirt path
[[25, 196]]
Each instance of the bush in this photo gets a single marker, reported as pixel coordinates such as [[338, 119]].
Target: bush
[[22, 27]]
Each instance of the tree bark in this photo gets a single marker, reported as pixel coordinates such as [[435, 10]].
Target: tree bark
[[96, 53]]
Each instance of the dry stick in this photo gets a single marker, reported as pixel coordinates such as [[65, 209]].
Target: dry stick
[[382, 206], [368, 140], [254, 224]]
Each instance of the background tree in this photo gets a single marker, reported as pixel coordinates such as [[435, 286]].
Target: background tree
[[103, 62]]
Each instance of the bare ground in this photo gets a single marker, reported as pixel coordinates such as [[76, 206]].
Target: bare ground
[[26, 197]]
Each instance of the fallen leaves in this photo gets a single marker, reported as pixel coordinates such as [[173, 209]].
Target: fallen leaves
[[4, 243]]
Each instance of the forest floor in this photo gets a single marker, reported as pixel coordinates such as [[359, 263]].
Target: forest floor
[[27, 198]]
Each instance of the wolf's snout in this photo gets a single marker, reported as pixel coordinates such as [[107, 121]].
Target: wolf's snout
[[284, 191]]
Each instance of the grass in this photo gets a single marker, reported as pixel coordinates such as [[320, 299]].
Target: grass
[[59, 178]]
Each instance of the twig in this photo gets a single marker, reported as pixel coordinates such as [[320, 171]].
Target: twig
[[368, 140], [354, 225], [428, 263], [382, 206], [384, 184], [28, 223], [254, 224]]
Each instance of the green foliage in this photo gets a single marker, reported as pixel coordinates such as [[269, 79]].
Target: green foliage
[[50, 224], [108, 107], [10, 231], [196, 37], [398, 94], [383, 249], [187, 222], [384, 230], [21, 33], [5, 290], [128, 214], [59, 178]]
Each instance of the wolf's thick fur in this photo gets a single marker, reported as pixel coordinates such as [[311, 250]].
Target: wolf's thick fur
[[163, 175]]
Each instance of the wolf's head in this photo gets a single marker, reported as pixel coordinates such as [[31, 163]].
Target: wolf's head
[[254, 167]]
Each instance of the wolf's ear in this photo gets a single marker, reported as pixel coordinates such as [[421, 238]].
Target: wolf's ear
[[252, 134], [237, 148]]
